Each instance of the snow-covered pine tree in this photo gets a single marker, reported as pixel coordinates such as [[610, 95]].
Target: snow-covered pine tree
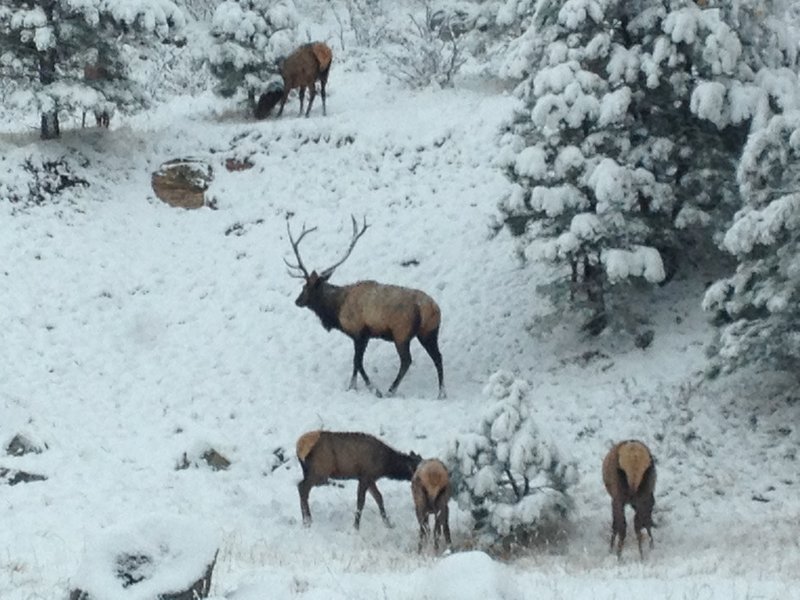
[[759, 306], [494, 36], [45, 45], [636, 112], [512, 479], [250, 37]]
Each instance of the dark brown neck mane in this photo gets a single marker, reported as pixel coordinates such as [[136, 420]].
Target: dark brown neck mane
[[327, 304]]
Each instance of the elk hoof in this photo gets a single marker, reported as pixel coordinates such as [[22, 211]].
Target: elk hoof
[[378, 393]]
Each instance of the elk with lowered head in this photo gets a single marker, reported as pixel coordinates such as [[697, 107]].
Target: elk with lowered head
[[367, 309], [430, 488], [327, 455], [301, 69], [629, 474]]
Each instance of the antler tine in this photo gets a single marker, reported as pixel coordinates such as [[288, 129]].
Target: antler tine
[[299, 266], [356, 235]]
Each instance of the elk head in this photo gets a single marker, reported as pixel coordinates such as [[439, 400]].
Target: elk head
[[313, 281]]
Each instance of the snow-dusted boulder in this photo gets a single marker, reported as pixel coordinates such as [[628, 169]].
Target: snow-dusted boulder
[[183, 182], [22, 444], [158, 557]]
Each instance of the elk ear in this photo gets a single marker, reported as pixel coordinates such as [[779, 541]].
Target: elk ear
[[325, 276]]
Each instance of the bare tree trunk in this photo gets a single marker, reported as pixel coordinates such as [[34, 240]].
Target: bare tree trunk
[[595, 294], [50, 128]]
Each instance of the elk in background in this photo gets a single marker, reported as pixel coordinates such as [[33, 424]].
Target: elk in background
[[301, 69], [367, 309], [629, 474], [327, 455]]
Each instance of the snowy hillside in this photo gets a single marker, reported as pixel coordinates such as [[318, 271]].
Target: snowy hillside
[[137, 336]]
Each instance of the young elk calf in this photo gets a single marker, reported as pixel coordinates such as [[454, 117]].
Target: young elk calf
[[629, 474], [367, 309], [430, 488], [342, 455]]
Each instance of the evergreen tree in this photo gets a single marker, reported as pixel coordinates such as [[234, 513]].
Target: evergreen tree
[[636, 112], [759, 306], [45, 46], [511, 478], [250, 37]]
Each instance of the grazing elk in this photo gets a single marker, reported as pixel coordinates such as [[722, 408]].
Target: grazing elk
[[430, 488], [327, 455], [629, 474], [367, 309], [302, 68]]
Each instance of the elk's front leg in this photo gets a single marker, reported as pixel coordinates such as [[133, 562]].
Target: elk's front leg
[[373, 489], [404, 351], [361, 496], [360, 344]]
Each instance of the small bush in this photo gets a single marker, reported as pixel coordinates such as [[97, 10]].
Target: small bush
[[39, 181], [511, 478], [427, 51]]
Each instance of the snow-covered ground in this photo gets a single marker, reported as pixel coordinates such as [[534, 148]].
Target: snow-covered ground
[[137, 336]]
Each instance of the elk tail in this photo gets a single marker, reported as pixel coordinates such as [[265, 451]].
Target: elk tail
[[634, 460], [323, 55], [306, 443]]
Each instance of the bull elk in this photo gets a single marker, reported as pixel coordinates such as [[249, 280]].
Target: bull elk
[[629, 474], [367, 309]]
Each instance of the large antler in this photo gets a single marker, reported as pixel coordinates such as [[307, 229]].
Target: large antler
[[299, 266], [356, 234]]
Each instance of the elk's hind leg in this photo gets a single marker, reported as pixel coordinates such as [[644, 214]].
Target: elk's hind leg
[[643, 519], [431, 344], [443, 522], [304, 488], [618, 525], [312, 93], [323, 81], [424, 527]]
